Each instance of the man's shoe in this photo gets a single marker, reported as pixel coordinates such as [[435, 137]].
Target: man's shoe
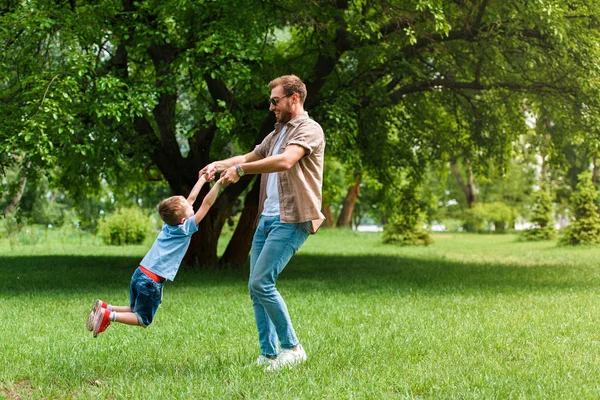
[[90, 320], [264, 361], [287, 358], [101, 321]]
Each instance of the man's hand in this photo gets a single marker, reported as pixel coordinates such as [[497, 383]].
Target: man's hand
[[230, 175], [210, 170]]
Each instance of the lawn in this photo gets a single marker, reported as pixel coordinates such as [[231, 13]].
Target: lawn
[[470, 317]]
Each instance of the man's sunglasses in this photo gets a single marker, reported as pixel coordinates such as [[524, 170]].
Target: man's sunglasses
[[274, 100]]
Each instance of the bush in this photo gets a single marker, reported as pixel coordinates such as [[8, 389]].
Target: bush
[[483, 216], [542, 219], [125, 226], [585, 226], [407, 230]]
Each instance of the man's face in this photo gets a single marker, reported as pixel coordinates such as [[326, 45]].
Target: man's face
[[283, 109]]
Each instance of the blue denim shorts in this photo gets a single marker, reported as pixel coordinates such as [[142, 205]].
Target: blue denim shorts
[[145, 295]]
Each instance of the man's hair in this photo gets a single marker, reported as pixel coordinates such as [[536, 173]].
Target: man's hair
[[172, 209], [291, 84]]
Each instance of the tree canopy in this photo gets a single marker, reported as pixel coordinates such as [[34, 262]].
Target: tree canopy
[[131, 91]]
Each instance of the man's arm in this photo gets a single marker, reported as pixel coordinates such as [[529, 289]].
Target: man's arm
[[280, 162], [196, 189], [208, 201], [222, 165]]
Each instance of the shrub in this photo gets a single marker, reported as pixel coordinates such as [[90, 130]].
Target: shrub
[[407, 230], [482, 216], [542, 219], [585, 225], [125, 226]]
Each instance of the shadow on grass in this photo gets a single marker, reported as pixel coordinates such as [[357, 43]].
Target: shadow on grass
[[306, 272]]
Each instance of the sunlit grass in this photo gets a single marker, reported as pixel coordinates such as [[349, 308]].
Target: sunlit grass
[[468, 317]]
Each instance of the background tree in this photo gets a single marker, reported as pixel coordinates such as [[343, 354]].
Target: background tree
[[585, 223], [541, 218]]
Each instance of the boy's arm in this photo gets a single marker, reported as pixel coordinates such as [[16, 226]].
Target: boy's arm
[[208, 201], [196, 189]]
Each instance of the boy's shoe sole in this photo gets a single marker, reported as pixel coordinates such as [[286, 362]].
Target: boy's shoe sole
[[90, 319], [101, 321]]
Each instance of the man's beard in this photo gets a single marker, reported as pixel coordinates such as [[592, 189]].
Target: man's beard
[[284, 117]]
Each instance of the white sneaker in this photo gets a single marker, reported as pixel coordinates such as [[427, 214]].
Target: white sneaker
[[264, 361], [287, 358]]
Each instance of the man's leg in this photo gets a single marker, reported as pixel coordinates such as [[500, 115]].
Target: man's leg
[[280, 243], [267, 336]]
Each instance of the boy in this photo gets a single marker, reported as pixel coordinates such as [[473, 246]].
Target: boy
[[160, 263]]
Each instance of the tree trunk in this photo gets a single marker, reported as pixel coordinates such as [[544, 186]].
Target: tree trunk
[[469, 189], [326, 210], [203, 248], [345, 218], [12, 206], [239, 246]]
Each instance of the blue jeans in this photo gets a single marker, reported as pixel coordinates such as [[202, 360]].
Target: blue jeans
[[273, 246], [145, 296]]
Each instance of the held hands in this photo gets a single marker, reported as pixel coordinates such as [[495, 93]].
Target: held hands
[[205, 176], [228, 176], [210, 170]]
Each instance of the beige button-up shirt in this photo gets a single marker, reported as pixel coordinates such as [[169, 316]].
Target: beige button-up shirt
[[300, 187]]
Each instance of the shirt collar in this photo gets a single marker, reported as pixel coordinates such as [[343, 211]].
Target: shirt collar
[[294, 121]]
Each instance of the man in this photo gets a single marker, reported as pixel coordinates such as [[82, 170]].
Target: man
[[290, 160]]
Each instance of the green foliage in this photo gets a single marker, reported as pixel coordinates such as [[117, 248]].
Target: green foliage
[[10, 227], [483, 216], [407, 230], [406, 225], [542, 218], [585, 224], [100, 90], [125, 226]]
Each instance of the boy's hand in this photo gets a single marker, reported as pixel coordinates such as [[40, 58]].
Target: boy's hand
[[222, 181], [230, 175], [209, 171], [207, 177]]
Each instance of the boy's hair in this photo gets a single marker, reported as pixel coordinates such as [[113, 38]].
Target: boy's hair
[[291, 84], [172, 209]]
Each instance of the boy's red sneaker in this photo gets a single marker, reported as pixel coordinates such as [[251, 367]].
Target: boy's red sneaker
[[101, 321], [90, 320]]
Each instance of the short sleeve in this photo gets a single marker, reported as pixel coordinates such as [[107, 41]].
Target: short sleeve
[[309, 136], [189, 226]]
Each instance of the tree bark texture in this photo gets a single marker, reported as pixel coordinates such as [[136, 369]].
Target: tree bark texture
[[469, 188], [345, 218], [12, 206], [326, 210], [239, 246]]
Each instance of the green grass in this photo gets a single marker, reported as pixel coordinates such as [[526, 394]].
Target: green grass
[[470, 317]]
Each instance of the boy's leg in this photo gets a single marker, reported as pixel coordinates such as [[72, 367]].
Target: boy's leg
[[127, 318], [122, 309], [103, 317], [145, 296], [101, 304]]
